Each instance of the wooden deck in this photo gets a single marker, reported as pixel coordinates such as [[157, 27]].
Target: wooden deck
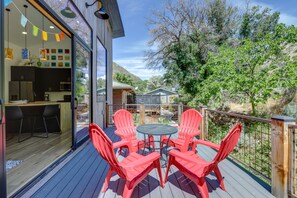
[[83, 172]]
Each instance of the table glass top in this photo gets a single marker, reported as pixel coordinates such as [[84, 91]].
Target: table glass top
[[156, 129]]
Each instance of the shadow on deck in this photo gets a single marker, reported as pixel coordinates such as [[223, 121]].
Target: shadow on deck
[[82, 175]]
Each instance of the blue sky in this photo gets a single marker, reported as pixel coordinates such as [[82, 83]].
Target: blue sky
[[128, 51]]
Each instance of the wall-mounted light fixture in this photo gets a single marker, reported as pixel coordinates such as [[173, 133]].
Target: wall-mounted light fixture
[[100, 13], [67, 12]]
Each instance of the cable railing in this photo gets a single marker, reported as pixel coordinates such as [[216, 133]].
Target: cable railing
[[253, 150], [149, 113]]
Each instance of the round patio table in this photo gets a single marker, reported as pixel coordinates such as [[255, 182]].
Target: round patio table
[[157, 130]]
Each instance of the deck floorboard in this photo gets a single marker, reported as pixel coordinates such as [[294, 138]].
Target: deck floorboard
[[84, 174]]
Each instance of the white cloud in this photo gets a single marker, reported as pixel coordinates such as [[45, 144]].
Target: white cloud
[[284, 17], [136, 66], [135, 47], [288, 19]]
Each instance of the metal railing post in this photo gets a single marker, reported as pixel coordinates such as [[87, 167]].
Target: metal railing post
[[204, 124], [280, 155], [107, 115], [179, 112], [142, 114]]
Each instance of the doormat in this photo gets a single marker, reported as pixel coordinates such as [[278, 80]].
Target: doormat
[[12, 163]]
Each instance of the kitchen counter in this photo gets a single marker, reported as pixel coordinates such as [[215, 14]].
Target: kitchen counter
[[65, 111], [36, 103]]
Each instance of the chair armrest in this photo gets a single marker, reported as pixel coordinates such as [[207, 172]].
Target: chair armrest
[[142, 161], [206, 143], [123, 143], [181, 155]]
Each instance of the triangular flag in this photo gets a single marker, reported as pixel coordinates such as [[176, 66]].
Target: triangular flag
[[57, 38], [62, 35], [7, 2], [35, 30], [23, 20], [44, 35]]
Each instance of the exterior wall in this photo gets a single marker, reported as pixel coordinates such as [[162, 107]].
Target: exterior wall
[[102, 30], [117, 96]]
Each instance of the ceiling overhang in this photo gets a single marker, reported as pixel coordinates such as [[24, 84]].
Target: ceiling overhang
[[112, 8]]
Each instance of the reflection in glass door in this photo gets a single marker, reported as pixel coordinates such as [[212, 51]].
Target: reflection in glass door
[[82, 91]]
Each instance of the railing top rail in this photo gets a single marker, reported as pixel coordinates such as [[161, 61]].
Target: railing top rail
[[241, 116]]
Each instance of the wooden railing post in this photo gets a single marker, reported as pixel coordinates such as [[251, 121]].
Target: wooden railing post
[[280, 155], [142, 114], [204, 123], [292, 160], [179, 112]]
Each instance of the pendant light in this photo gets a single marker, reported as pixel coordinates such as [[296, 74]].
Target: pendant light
[[42, 51], [67, 12], [8, 50], [25, 51]]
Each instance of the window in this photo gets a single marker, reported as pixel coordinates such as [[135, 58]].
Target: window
[[101, 72]]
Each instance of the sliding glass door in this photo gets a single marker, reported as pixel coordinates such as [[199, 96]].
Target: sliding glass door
[[82, 94]]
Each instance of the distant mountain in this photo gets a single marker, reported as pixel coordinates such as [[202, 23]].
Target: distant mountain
[[119, 69]]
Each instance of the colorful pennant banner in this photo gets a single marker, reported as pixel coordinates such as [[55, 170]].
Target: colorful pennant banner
[[62, 35], [24, 20], [44, 35], [35, 30], [57, 38]]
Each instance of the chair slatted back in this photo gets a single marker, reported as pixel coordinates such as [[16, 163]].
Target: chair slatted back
[[123, 121], [104, 146], [190, 122], [229, 142]]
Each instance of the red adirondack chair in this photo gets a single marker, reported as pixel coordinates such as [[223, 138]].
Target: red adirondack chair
[[133, 169], [196, 168], [188, 129], [125, 128]]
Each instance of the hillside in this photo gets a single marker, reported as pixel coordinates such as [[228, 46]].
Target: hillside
[[119, 69]]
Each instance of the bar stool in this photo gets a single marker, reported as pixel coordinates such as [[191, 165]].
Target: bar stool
[[15, 113], [49, 112]]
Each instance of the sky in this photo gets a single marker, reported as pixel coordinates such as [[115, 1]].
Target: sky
[[128, 51]]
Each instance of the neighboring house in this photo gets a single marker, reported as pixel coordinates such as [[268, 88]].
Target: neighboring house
[[123, 93], [165, 96]]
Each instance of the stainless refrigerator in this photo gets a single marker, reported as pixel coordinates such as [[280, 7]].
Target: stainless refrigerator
[[21, 90]]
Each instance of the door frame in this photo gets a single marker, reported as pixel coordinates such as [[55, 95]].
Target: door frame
[[77, 40], [43, 8], [2, 125]]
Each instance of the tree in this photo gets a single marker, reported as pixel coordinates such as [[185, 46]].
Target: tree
[[184, 33], [155, 82], [256, 23], [254, 70], [123, 78]]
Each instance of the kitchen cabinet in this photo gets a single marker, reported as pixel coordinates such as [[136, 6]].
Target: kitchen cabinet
[[23, 73], [44, 79]]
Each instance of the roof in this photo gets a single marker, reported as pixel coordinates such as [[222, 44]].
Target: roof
[[112, 8], [161, 91], [118, 85]]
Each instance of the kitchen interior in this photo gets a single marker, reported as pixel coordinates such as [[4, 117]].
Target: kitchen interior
[[37, 93]]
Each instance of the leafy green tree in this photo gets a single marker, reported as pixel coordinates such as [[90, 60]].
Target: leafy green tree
[[257, 22], [252, 71], [155, 82], [123, 78]]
